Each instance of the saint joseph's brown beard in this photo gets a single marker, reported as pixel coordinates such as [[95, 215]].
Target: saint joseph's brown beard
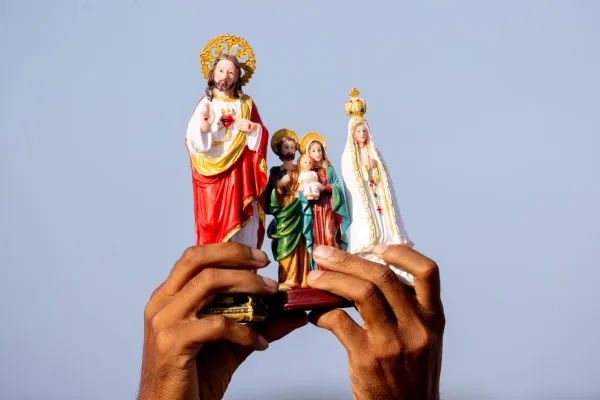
[[287, 157]]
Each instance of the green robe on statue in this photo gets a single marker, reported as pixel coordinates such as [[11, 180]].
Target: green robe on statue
[[288, 233]]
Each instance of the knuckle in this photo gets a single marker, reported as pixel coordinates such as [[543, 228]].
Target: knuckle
[[391, 352], [190, 254], [149, 312], [232, 245], [394, 349], [386, 276], [367, 293], [233, 250], [387, 344], [429, 269], [156, 322], [420, 340], [363, 360], [346, 259], [220, 323], [335, 317], [209, 276], [164, 341], [155, 293]]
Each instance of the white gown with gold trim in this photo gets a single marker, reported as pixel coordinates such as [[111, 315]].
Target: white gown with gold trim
[[374, 219], [216, 142]]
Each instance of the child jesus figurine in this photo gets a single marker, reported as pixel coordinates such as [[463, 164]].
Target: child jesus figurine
[[308, 178]]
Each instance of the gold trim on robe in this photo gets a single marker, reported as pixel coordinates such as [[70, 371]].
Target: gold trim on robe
[[209, 166]]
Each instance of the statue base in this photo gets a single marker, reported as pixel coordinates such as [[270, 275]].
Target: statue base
[[239, 307], [250, 308], [311, 299]]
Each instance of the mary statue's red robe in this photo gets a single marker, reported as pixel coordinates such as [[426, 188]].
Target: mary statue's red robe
[[226, 187]]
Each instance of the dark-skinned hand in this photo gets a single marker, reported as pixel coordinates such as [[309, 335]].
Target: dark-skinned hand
[[397, 353], [189, 358]]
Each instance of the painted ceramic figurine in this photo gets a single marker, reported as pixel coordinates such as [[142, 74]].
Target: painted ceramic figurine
[[291, 213], [308, 179], [375, 213], [307, 205], [330, 214], [227, 143]]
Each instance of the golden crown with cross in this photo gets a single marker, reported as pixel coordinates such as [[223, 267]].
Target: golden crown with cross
[[355, 107]]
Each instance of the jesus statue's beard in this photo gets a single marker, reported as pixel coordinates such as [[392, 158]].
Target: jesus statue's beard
[[287, 157], [222, 86]]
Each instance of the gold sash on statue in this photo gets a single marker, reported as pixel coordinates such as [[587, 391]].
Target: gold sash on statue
[[209, 166]]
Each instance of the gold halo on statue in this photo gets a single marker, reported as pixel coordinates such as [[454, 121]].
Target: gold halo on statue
[[309, 137], [280, 134], [232, 45]]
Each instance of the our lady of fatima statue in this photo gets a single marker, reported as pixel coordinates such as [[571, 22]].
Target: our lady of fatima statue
[[374, 209]]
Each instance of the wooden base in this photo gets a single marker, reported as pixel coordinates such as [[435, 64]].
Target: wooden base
[[311, 299], [249, 308]]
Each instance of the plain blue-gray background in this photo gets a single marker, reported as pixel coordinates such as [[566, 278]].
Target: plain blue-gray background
[[488, 116]]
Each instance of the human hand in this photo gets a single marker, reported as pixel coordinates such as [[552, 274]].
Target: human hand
[[397, 353], [245, 125], [320, 186], [189, 358]]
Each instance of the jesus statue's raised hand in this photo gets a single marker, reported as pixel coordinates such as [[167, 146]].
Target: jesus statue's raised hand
[[207, 118]]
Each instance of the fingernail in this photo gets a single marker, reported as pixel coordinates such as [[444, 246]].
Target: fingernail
[[260, 255], [380, 248], [323, 251], [263, 344], [314, 275], [270, 283]]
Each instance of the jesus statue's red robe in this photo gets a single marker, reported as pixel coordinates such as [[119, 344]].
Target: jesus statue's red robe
[[229, 174]]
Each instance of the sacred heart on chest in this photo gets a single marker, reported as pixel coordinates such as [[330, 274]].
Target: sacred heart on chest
[[227, 120], [227, 115]]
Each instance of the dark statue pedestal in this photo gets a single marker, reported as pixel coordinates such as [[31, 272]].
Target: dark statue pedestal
[[249, 308], [311, 299]]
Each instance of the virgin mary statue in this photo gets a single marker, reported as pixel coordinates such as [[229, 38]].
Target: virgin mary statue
[[375, 215]]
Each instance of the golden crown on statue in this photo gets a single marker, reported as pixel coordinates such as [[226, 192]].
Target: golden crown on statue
[[233, 46], [355, 107]]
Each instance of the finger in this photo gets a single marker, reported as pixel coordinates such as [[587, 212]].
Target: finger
[[338, 322], [282, 326], [197, 258], [369, 301], [204, 287], [273, 330], [425, 271], [382, 276], [192, 335]]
